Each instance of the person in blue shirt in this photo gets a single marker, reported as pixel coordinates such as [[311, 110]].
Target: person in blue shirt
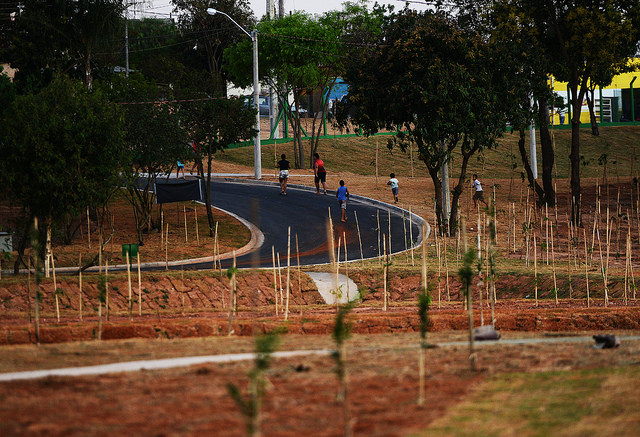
[[342, 193]]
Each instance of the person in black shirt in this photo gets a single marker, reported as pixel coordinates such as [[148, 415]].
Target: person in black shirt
[[284, 166]]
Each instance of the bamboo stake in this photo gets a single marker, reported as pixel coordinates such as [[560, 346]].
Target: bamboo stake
[[232, 292], [586, 264], [553, 267], [280, 294], [47, 254], [186, 233], [88, 228], [377, 164], [299, 275], [535, 265], [346, 263], [161, 228], [406, 248], [439, 268], [626, 267], [359, 237], [29, 291], [182, 288], [332, 252], [384, 275], [139, 288], [79, 289], [411, 235], [286, 310], [446, 270], [275, 280], [606, 271], [195, 213], [106, 285], [390, 251], [513, 240], [546, 219], [129, 286], [424, 256], [378, 229], [166, 249], [55, 287]]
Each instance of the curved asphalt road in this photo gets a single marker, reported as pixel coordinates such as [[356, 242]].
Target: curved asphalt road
[[307, 213]]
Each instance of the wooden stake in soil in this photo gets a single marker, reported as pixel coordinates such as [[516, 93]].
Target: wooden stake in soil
[[106, 285], [195, 214], [384, 274], [161, 228], [275, 280], [586, 264], [424, 256], [286, 308], [55, 287], [232, 294], [186, 233], [359, 237], [553, 268], [79, 287], [88, 228], [411, 235], [332, 252], [166, 249], [299, 275], [280, 294], [378, 229], [346, 263], [535, 265], [128, 259], [377, 165], [139, 288]]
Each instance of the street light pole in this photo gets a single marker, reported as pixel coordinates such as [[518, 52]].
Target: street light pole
[[257, 153]]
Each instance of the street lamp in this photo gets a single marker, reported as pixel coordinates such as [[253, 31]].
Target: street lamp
[[257, 157]]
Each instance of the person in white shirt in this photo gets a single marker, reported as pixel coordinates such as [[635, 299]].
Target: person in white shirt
[[393, 182], [479, 194]]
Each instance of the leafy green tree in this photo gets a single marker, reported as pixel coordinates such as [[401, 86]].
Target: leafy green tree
[[297, 55], [434, 83], [582, 40], [214, 124], [212, 35], [155, 141], [62, 151], [52, 36]]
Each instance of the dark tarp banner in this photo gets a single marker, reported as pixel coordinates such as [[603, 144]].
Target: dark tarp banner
[[187, 190]]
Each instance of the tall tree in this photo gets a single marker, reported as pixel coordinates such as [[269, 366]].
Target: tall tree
[[155, 140], [582, 39], [214, 124], [211, 35], [434, 83], [62, 151], [298, 55], [62, 36]]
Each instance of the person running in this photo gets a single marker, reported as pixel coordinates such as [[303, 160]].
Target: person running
[[180, 168], [393, 182], [284, 167], [479, 194], [342, 193], [320, 173]]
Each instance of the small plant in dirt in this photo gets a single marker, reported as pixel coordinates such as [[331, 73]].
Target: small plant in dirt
[[341, 333], [424, 300], [102, 299], [466, 276], [250, 406]]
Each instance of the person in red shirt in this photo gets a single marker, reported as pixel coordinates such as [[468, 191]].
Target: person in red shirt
[[320, 173]]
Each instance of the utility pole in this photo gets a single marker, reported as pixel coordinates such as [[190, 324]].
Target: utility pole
[[273, 96]]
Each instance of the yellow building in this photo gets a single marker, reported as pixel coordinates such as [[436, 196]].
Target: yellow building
[[613, 103]]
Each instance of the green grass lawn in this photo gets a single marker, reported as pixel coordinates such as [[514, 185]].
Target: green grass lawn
[[588, 402], [620, 144]]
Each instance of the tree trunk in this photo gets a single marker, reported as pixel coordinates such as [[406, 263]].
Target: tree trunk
[[547, 155], [457, 190], [207, 194], [527, 167], [595, 131], [574, 156]]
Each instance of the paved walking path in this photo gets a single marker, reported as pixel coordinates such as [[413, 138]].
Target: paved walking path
[[167, 363]]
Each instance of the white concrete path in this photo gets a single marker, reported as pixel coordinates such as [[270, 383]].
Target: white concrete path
[[326, 287]]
